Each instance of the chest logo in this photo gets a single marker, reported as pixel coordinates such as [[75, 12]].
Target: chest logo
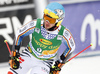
[[46, 42]]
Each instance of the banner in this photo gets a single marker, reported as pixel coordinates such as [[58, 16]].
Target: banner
[[13, 14], [83, 20]]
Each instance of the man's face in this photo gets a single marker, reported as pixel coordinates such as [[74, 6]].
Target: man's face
[[49, 22], [48, 25]]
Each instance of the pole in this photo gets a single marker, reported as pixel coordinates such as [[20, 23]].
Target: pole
[[80, 52], [8, 46]]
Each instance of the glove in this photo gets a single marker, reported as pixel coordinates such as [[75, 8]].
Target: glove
[[57, 67], [14, 60]]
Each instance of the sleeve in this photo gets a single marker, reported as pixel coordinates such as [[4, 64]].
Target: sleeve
[[25, 30], [69, 42]]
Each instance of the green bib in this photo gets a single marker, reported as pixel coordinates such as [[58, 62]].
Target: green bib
[[45, 48]]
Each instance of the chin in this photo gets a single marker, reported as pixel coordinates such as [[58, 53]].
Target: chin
[[46, 28]]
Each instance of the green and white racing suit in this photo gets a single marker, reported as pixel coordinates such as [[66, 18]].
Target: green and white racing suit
[[43, 47]]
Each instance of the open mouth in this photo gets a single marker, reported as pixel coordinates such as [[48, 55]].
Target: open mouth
[[47, 25]]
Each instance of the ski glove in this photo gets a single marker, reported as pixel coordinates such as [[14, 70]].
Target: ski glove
[[14, 60], [57, 67]]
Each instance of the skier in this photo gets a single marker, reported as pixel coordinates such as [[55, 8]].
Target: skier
[[47, 36]]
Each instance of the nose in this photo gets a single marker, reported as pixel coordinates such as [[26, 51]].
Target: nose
[[47, 21]]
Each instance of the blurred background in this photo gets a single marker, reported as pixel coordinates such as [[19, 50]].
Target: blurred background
[[82, 18]]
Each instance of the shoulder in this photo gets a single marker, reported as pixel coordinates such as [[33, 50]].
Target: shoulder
[[66, 32], [36, 20], [32, 23], [67, 35]]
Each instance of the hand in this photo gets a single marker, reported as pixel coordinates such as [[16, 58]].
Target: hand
[[14, 60], [57, 67]]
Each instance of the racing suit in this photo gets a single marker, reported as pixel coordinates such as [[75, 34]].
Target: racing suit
[[42, 48]]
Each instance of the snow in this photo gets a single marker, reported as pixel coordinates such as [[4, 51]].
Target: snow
[[86, 65], [89, 65]]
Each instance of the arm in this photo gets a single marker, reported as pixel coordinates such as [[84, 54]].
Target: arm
[[69, 46], [69, 42], [22, 32]]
